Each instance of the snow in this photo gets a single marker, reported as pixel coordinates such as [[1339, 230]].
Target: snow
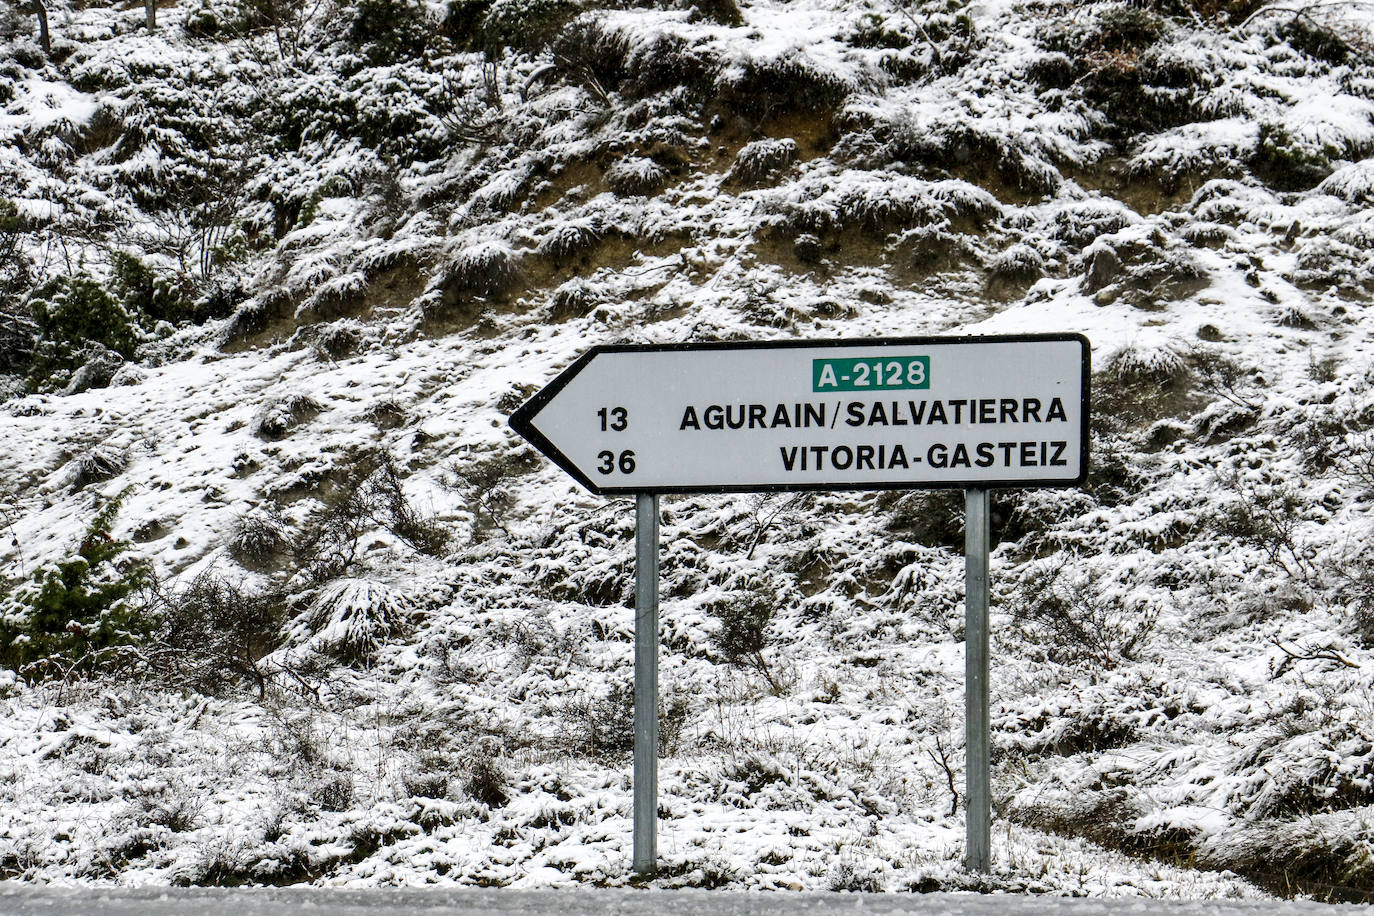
[[459, 716]]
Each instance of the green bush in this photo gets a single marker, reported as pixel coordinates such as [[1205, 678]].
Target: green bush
[[1315, 40], [75, 615], [146, 295], [1287, 164], [387, 31], [71, 313], [525, 24]]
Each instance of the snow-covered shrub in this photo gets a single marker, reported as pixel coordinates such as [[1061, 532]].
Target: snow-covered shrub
[[635, 176], [388, 31], [791, 82], [1288, 161], [622, 56], [1323, 262], [335, 790], [1081, 222], [487, 779], [1270, 518], [721, 12], [854, 876], [1192, 151], [484, 269], [339, 339], [147, 294], [1317, 40], [101, 461], [1077, 619], [215, 634], [879, 202], [525, 24], [1146, 268], [1019, 263], [762, 158], [281, 415], [259, 536], [602, 726], [1353, 182], [571, 238], [81, 614], [1139, 385], [1137, 364], [1118, 63], [353, 618], [933, 518], [573, 299]]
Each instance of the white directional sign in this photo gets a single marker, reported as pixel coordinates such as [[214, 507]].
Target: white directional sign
[[966, 412]]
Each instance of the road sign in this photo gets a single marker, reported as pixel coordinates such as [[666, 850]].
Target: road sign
[[955, 412]]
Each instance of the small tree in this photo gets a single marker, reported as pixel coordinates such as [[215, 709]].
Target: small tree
[[77, 614], [743, 633]]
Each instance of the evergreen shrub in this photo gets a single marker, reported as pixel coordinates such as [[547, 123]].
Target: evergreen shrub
[[76, 615], [72, 313]]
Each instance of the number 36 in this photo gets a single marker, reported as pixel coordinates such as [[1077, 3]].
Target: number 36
[[610, 462]]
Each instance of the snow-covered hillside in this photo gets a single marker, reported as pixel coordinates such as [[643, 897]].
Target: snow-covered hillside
[[285, 600]]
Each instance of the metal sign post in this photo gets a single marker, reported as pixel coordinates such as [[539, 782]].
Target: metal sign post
[[646, 685], [965, 413], [977, 766]]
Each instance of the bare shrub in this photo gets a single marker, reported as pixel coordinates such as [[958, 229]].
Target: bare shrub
[[215, 634], [371, 496], [398, 514], [742, 634], [601, 727], [486, 483], [1270, 518], [474, 114], [1076, 620], [1222, 377]]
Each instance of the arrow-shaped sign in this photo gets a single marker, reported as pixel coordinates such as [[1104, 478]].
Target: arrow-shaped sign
[[1008, 411]]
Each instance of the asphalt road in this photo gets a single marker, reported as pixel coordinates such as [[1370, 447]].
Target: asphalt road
[[24, 900]]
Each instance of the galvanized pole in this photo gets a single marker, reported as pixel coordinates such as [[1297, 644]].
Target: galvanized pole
[[978, 766], [646, 685]]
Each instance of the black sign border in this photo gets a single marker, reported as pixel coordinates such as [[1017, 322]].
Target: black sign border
[[522, 419]]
